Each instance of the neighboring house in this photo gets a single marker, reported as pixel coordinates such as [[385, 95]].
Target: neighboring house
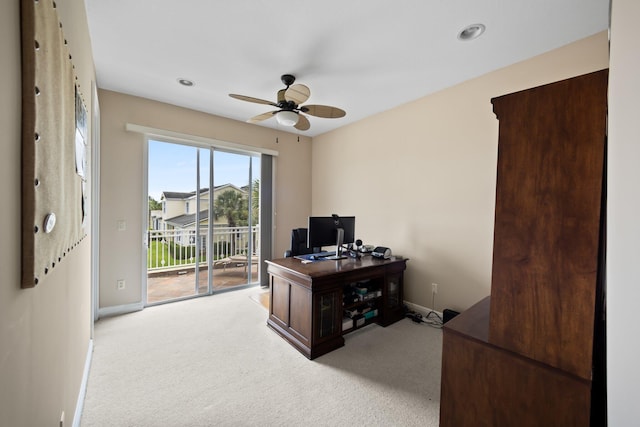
[[179, 214], [176, 204], [155, 216], [179, 209]]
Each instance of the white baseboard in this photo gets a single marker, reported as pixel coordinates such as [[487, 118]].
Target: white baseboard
[[83, 386], [420, 309], [119, 309]]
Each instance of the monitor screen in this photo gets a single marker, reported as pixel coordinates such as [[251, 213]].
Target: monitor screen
[[322, 230]]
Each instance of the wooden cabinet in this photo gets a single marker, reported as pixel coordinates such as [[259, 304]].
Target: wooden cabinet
[[306, 304], [532, 345], [547, 221], [486, 385]]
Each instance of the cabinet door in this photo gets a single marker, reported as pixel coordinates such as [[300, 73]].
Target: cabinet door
[[299, 315], [392, 299], [291, 309], [279, 301], [328, 314]]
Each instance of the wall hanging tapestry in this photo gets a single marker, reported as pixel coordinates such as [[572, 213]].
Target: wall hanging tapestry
[[54, 137]]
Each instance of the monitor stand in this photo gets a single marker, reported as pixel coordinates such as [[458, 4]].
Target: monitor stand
[[339, 241]]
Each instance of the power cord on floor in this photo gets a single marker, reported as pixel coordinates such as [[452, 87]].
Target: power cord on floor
[[432, 318]]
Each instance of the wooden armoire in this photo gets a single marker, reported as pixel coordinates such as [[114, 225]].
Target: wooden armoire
[[533, 352]]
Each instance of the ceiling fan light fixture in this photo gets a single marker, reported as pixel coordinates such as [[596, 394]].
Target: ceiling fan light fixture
[[471, 32], [287, 118], [289, 105]]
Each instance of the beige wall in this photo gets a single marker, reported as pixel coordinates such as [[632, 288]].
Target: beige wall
[[421, 178], [121, 185], [623, 229], [45, 331]]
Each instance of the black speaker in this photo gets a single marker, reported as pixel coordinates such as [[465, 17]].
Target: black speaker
[[448, 315]]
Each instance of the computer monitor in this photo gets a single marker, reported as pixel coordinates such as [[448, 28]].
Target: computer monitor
[[331, 230]]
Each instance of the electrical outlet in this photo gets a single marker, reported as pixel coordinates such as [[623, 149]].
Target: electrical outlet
[[120, 283], [434, 288]]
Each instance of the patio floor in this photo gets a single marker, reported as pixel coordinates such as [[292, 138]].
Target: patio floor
[[181, 283]]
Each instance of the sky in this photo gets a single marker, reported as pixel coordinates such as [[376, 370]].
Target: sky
[[172, 167]]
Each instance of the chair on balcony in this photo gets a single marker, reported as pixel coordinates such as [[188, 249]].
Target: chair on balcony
[[298, 243]]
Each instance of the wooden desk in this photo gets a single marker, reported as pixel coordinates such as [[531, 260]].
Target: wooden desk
[[306, 300]]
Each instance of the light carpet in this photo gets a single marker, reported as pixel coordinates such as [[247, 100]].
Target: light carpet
[[212, 361]]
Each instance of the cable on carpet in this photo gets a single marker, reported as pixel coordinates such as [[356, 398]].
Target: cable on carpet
[[432, 318]]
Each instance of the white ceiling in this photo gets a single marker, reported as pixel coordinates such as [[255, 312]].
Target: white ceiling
[[364, 56]]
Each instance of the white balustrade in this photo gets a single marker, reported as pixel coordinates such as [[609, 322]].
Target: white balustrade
[[168, 249]]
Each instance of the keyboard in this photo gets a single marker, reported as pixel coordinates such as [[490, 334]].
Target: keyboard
[[324, 254], [317, 256]]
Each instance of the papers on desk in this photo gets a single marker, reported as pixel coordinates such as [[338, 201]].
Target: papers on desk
[[318, 256], [306, 258]]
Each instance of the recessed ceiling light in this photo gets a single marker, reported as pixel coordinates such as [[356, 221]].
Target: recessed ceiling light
[[186, 82], [471, 32]]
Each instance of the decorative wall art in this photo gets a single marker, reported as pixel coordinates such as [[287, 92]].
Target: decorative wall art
[[54, 135]]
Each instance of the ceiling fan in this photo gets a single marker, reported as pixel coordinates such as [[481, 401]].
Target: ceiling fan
[[290, 111]]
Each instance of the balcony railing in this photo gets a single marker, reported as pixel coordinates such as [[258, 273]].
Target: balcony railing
[[168, 249]]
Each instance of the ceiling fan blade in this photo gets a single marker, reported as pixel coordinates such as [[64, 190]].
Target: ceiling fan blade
[[297, 94], [261, 117], [252, 99], [323, 111], [303, 123]]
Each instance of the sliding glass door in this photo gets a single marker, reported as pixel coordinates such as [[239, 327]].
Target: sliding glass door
[[236, 209], [203, 210]]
